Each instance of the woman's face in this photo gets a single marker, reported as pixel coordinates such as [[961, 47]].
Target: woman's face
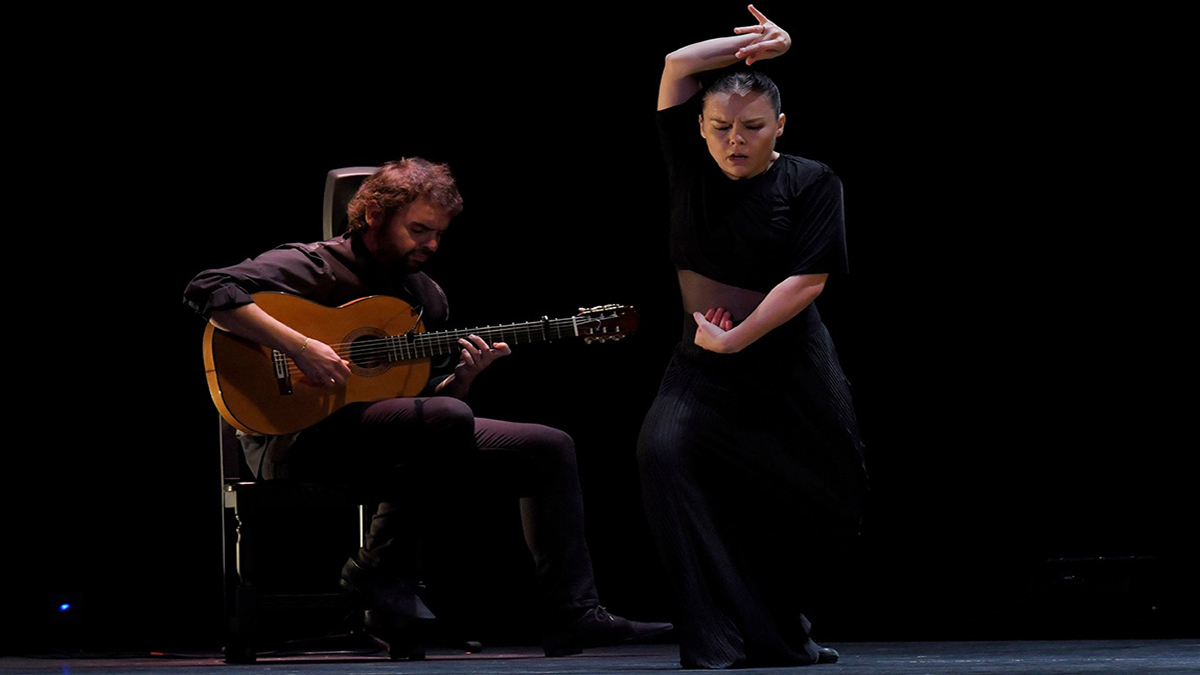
[[740, 132]]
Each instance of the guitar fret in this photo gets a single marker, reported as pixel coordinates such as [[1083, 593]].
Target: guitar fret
[[393, 347]]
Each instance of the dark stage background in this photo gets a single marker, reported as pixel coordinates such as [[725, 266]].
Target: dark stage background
[[1008, 322]]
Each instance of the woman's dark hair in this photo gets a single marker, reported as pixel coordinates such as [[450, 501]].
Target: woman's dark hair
[[743, 82]]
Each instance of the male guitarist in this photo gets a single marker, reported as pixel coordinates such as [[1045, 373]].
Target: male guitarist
[[414, 447]]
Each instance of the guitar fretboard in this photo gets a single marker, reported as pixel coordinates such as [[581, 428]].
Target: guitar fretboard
[[424, 345]]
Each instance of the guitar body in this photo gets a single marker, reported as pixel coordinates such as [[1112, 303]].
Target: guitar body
[[259, 391]]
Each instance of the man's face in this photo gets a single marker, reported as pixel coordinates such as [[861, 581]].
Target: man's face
[[740, 132], [407, 239]]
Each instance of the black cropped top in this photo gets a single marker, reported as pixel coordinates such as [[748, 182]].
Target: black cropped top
[[751, 233]]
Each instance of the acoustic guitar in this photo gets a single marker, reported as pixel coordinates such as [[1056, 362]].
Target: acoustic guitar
[[259, 390]]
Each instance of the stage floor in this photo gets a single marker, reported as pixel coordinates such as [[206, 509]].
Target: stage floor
[[875, 658]]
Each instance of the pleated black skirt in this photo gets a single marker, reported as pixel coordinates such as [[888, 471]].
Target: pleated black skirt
[[751, 465]]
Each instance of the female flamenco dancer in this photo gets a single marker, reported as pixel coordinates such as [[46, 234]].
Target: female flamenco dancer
[[750, 456]]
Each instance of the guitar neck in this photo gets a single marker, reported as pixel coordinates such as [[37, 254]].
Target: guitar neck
[[424, 345]]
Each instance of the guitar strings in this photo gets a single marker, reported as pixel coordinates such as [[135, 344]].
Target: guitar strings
[[425, 345]]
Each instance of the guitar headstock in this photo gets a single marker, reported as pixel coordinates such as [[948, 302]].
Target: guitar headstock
[[606, 322]]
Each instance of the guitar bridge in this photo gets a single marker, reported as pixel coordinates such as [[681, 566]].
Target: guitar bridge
[[282, 378]]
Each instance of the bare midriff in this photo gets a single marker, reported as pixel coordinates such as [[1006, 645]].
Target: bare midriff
[[701, 294]]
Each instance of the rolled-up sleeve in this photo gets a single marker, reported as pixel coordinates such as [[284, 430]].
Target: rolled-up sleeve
[[291, 268]]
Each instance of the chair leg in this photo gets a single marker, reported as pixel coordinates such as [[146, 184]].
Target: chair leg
[[240, 606], [239, 644]]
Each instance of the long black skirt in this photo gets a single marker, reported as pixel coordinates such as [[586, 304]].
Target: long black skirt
[[751, 465]]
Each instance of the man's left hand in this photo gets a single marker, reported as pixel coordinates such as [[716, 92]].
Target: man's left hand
[[474, 357], [477, 355]]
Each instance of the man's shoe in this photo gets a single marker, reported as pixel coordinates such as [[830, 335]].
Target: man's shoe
[[598, 628], [389, 597]]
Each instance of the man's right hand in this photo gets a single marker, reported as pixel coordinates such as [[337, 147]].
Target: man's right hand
[[320, 364], [317, 361]]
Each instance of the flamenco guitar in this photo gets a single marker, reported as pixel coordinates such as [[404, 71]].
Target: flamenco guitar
[[256, 388]]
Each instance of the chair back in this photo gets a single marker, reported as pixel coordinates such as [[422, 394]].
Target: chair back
[[340, 186]]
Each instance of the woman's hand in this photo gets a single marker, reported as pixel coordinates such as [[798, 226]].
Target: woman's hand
[[711, 329], [773, 41]]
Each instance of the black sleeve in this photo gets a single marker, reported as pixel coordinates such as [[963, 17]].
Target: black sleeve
[[819, 246], [678, 132], [290, 269]]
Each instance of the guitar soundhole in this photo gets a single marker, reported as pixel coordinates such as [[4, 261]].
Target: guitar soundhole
[[368, 351]]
